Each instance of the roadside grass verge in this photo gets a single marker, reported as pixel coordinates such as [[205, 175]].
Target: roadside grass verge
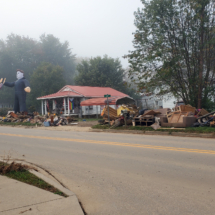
[[143, 128], [88, 119], [25, 176]]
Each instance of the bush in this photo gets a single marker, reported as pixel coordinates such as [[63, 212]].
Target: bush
[[4, 111]]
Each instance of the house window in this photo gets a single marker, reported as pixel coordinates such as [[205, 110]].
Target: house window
[[90, 107]]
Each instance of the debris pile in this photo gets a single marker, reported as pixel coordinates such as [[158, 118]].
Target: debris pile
[[112, 113], [187, 116], [147, 119], [179, 117], [206, 120], [35, 118]]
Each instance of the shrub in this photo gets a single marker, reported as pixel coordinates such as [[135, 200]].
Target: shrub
[[4, 111]]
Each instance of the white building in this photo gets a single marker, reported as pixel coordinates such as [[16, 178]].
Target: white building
[[148, 100]]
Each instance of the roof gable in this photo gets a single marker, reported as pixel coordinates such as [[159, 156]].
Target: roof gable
[[84, 91], [87, 91]]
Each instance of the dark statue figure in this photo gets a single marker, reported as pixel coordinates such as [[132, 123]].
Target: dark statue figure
[[22, 87]]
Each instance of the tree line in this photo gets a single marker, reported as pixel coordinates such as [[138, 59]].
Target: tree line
[[49, 64]]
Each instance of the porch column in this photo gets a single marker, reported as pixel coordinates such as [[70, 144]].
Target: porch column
[[53, 106], [42, 107], [68, 106], [45, 107], [64, 102], [97, 112]]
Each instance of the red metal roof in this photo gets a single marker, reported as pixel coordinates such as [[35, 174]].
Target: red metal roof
[[87, 91], [84, 91], [100, 101], [61, 94]]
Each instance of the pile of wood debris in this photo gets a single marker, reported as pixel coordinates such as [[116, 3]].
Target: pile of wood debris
[[176, 116], [35, 118], [146, 119], [202, 116], [180, 117], [123, 115]]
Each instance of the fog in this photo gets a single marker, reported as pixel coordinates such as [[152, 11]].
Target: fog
[[92, 28]]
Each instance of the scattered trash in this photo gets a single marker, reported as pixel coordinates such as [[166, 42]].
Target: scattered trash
[[35, 118], [181, 116], [206, 120], [155, 126]]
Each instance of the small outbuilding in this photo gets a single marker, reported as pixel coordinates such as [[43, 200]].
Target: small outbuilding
[[82, 100]]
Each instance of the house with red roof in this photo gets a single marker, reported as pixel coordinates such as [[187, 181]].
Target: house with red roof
[[82, 100]]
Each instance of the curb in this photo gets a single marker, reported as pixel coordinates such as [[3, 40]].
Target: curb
[[161, 133], [72, 196]]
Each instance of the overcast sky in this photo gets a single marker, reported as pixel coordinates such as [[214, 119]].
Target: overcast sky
[[92, 27]]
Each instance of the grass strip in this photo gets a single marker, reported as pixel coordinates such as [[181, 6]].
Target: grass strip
[[88, 119], [143, 128], [29, 178]]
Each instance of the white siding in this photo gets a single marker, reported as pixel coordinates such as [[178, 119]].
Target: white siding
[[95, 109]]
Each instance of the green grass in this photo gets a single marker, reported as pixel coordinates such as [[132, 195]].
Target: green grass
[[29, 178], [142, 128], [200, 130], [89, 119], [101, 126]]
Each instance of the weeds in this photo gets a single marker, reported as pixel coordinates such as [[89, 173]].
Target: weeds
[[144, 129], [20, 172]]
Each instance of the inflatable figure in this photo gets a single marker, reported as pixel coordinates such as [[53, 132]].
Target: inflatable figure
[[22, 87]]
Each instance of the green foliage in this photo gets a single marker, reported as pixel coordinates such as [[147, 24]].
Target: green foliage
[[45, 80], [58, 53], [143, 128], [175, 49], [101, 126], [25, 53], [102, 72], [29, 178], [131, 92], [4, 111]]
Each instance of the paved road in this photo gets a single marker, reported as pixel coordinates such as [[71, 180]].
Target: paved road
[[121, 173]]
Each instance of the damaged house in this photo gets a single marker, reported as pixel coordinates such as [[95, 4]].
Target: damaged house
[[82, 100]]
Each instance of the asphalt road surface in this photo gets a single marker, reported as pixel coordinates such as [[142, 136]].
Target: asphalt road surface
[[123, 174]]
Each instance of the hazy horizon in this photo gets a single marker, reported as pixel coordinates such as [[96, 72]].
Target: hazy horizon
[[92, 28]]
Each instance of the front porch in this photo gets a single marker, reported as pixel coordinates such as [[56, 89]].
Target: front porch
[[67, 101], [67, 106]]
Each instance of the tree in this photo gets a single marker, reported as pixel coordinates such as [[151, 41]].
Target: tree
[[57, 53], [16, 53], [24, 53], [174, 49], [46, 79], [103, 72], [100, 72]]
